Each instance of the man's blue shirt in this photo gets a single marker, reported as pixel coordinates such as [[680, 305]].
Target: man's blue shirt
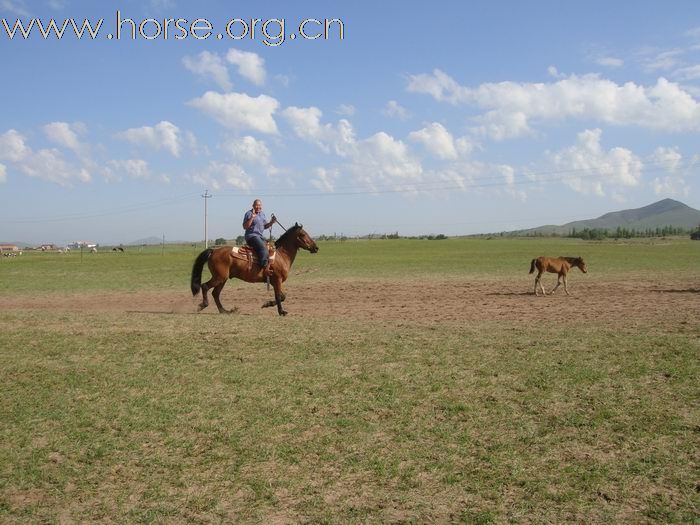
[[257, 227]]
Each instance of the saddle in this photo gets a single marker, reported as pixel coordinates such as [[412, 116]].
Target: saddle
[[248, 253]]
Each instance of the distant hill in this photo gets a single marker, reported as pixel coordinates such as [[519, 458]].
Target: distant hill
[[667, 212]]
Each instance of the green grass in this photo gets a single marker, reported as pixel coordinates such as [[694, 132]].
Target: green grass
[[177, 418], [150, 268]]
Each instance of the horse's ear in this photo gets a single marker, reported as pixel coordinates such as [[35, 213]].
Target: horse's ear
[[297, 225]]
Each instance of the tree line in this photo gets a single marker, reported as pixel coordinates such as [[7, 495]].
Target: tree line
[[622, 232]]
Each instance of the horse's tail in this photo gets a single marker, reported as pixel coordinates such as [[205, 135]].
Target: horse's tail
[[532, 266], [196, 281]]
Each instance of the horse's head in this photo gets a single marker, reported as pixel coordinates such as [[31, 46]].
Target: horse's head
[[297, 235], [304, 240], [581, 265]]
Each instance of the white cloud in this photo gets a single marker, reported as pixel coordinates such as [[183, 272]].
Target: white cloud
[[347, 110], [49, 165], [587, 168], [13, 147], [395, 110], [381, 159], [693, 33], [45, 164], [66, 135], [464, 146], [325, 179], [501, 125], [554, 72], [250, 65], [218, 175], [687, 73], [248, 150], [238, 110], [437, 140], [664, 60], [164, 135], [611, 62], [674, 183], [670, 186], [3, 173], [306, 124], [132, 168], [512, 106], [669, 159], [211, 66], [16, 7]]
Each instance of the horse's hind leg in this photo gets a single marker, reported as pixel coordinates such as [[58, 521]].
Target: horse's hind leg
[[566, 288], [215, 294], [211, 283], [205, 299]]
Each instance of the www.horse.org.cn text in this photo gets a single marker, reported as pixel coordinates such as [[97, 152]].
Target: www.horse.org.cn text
[[271, 31]]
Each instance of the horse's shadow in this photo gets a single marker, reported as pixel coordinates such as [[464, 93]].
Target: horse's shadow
[[510, 294]]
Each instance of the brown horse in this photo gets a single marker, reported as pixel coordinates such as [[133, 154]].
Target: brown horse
[[558, 265], [224, 263]]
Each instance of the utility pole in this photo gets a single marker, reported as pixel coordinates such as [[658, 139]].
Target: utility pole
[[206, 239]]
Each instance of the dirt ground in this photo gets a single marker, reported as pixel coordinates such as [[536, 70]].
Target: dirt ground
[[411, 300]]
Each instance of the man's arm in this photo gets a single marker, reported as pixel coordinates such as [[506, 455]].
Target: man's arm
[[273, 220], [249, 221]]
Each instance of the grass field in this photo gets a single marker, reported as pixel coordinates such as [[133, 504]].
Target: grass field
[[111, 414]]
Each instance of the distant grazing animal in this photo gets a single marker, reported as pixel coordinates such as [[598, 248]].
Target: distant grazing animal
[[558, 265], [227, 262]]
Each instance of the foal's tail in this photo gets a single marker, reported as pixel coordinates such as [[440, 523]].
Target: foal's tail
[[532, 266], [196, 281]]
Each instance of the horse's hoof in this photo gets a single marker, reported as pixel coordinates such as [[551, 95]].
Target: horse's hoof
[[233, 310], [283, 312], [201, 307]]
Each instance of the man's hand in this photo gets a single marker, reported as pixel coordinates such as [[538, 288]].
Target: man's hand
[[273, 219]]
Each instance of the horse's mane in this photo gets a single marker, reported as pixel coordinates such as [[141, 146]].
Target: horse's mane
[[287, 235]]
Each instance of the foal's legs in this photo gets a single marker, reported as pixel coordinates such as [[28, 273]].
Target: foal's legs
[[559, 276], [539, 281]]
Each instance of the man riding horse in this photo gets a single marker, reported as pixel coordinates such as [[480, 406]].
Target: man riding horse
[[254, 225]]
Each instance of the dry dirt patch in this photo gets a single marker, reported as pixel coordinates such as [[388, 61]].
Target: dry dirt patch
[[410, 300]]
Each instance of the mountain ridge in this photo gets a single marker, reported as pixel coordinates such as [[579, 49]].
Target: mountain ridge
[[666, 212]]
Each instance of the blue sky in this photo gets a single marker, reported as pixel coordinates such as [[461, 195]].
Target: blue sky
[[427, 117]]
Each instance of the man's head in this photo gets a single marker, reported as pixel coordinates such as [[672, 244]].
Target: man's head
[[257, 205]]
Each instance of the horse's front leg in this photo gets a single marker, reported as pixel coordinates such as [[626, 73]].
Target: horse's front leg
[[268, 304], [557, 286], [566, 288], [538, 281], [279, 297]]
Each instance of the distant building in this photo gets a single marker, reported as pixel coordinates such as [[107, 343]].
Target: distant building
[[82, 244], [8, 248]]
